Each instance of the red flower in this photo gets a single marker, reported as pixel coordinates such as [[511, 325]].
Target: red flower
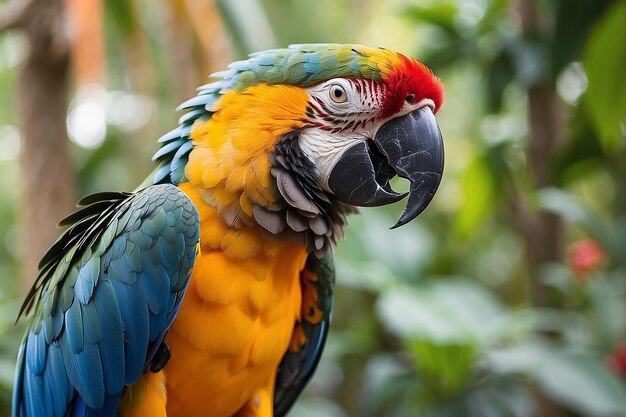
[[617, 360], [586, 256]]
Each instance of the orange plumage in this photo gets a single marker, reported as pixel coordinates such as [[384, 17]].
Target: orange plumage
[[244, 297]]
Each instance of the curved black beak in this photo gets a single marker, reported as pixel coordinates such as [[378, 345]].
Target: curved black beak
[[410, 146]]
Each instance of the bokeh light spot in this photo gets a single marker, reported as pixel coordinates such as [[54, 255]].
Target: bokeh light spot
[[9, 143], [86, 124], [572, 82]]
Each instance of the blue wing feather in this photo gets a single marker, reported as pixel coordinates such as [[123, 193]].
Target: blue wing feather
[[35, 404], [134, 313], [113, 349], [87, 279], [91, 324], [36, 353], [107, 293], [74, 332], [58, 381]]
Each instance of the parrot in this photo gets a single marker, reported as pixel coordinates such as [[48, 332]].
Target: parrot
[[208, 291]]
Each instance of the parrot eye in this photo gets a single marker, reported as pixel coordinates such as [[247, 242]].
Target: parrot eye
[[338, 94]]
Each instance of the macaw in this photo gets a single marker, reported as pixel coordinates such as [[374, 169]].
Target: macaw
[[209, 290]]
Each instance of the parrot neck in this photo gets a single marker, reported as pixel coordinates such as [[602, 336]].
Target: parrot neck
[[237, 240], [310, 215], [246, 166], [288, 205]]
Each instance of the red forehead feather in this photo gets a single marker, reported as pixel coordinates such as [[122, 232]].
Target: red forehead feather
[[410, 76]]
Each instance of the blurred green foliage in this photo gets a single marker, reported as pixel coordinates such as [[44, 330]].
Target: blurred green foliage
[[434, 319]]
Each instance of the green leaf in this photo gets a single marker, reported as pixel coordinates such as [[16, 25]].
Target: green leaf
[[607, 310], [574, 19], [122, 14], [313, 407], [408, 313], [440, 15], [558, 201], [443, 367], [576, 380], [495, 12], [447, 54], [369, 276], [367, 241], [386, 379], [481, 186], [582, 153], [500, 73], [605, 62], [451, 311]]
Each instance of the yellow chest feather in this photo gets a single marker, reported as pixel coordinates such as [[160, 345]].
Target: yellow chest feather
[[235, 322], [244, 297]]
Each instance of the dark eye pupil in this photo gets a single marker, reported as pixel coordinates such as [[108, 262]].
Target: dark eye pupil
[[410, 98], [338, 93]]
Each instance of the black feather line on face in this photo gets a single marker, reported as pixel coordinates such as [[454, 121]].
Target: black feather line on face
[[308, 214]]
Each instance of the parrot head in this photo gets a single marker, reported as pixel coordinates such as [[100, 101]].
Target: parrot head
[[367, 130], [295, 139]]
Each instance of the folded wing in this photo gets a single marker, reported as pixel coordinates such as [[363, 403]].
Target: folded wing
[[107, 292]]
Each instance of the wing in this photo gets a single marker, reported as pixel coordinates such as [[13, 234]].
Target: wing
[[300, 361], [106, 294]]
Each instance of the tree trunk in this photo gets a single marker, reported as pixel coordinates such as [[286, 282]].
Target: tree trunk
[[543, 232], [545, 239], [47, 176], [182, 64]]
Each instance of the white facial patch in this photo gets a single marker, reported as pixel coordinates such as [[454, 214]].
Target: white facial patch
[[345, 111], [324, 149]]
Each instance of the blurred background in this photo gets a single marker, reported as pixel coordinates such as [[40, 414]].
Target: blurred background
[[506, 298]]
